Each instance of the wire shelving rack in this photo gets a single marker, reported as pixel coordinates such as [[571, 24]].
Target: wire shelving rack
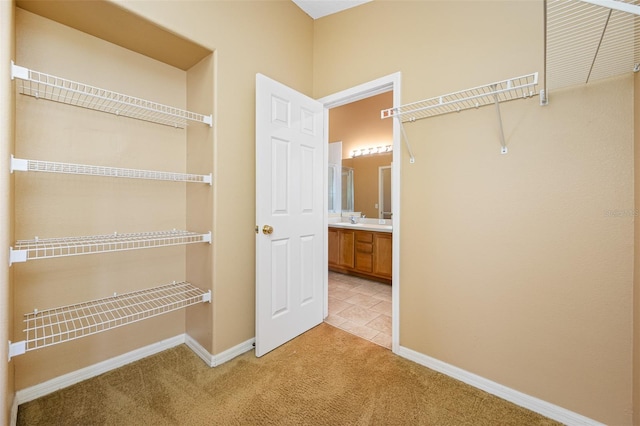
[[37, 248], [52, 326], [521, 87], [19, 164], [58, 89], [505, 90]]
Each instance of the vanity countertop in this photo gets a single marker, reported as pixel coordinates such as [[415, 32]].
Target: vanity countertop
[[363, 226]]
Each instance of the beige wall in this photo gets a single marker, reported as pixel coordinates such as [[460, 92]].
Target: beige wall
[[7, 114], [514, 267], [52, 205], [248, 37], [636, 272]]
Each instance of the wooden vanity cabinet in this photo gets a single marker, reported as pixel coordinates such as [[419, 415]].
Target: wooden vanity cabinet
[[363, 253], [382, 254], [341, 243]]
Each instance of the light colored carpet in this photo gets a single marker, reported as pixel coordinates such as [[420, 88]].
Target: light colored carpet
[[324, 377]]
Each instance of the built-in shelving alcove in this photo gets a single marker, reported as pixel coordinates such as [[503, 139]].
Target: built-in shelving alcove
[[91, 250]]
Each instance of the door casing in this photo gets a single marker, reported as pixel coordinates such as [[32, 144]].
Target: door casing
[[384, 84]]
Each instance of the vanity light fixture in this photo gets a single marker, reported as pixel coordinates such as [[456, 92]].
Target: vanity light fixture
[[370, 151]]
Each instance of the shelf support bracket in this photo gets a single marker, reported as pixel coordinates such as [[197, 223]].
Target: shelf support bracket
[[208, 179], [16, 256], [17, 348], [19, 72], [18, 164], [503, 150], [206, 297], [412, 159], [207, 238]]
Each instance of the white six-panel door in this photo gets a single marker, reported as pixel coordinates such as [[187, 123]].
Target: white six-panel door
[[289, 213]]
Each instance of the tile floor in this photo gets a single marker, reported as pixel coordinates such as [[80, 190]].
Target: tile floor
[[361, 307]]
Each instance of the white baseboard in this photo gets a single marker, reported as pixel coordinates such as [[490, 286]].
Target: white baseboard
[[534, 404], [233, 352], [222, 357], [45, 388]]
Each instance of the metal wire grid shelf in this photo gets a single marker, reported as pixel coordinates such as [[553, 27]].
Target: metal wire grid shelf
[[500, 91], [74, 246], [57, 325], [18, 164], [45, 86], [493, 93], [588, 40]]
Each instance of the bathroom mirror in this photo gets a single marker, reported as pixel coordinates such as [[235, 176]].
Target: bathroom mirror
[[361, 188]]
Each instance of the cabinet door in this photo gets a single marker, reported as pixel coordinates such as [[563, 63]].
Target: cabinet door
[[347, 239], [364, 251], [334, 246], [382, 254]]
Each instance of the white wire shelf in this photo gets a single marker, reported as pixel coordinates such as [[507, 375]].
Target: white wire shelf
[[18, 164], [589, 40], [58, 325], [74, 246], [46, 86], [505, 90]]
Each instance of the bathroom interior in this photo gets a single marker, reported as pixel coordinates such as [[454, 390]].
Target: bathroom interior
[[360, 220]]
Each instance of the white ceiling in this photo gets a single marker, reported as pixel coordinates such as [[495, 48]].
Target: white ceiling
[[319, 8]]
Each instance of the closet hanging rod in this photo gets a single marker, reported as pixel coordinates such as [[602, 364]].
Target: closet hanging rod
[[505, 90], [19, 164], [52, 326], [75, 246], [50, 87]]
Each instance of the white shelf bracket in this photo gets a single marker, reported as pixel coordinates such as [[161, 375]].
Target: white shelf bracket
[[207, 238], [412, 159], [503, 150], [16, 256], [17, 348], [208, 179], [19, 72], [18, 164], [206, 297], [208, 119]]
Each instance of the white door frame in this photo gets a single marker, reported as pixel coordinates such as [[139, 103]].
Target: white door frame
[[384, 84]]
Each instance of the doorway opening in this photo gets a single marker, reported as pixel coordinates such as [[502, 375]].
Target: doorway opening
[[366, 303]]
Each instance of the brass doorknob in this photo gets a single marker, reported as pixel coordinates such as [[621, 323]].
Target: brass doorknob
[[267, 230]]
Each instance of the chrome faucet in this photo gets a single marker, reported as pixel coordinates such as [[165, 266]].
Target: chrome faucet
[[353, 219]]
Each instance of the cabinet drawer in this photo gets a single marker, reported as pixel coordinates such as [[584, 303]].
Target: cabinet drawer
[[364, 247], [365, 237]]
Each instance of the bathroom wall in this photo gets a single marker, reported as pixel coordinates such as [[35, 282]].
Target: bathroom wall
[[358, 125], [514, 267]]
